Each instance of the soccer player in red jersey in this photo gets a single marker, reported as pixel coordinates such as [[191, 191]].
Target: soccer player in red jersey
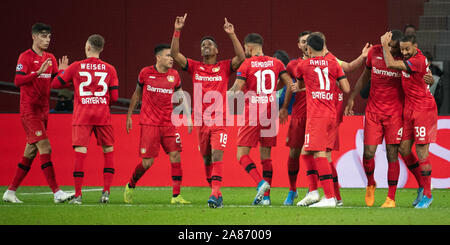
[[34, 72], [257, 78], [210, 78], [313, 194], [420, 110], [156, 86], [320, 76], [383, 115], [96, 85], [296, 133]]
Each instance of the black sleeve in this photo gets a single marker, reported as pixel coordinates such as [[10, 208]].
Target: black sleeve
[[187, 65], [408, 68]]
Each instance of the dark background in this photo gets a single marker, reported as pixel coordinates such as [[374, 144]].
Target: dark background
[[133, 28]]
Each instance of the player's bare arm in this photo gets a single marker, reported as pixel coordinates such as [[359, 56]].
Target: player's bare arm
[[344, 85], [298, 86], [356, 63], [391, 63], [186, 108], [237, 86], [362, 82], [238, 49], [135, 99], [287, 80], [175, 45]]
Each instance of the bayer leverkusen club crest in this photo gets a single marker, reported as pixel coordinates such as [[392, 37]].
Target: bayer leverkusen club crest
[[216, 69], [170, 78]]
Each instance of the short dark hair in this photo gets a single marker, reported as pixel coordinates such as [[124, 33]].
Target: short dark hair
[[315, 42], [41, 27], [407, 26], [254, 38], [428, 55], [397, 35], [409, 38], [160, 47], [321, 35], [97, 42], [282, 55], [304, 33], [208, 38]]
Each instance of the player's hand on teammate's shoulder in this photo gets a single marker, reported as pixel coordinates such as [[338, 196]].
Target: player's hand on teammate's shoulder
[[179, 22]]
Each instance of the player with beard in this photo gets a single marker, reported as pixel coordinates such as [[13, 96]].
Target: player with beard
[[420, 110], [257, 78], [383, 118], [383, 115]]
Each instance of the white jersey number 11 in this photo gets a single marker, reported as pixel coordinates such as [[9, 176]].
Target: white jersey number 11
[[323, 73]]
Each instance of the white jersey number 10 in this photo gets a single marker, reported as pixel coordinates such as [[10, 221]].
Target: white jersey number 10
[[261, 81]]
